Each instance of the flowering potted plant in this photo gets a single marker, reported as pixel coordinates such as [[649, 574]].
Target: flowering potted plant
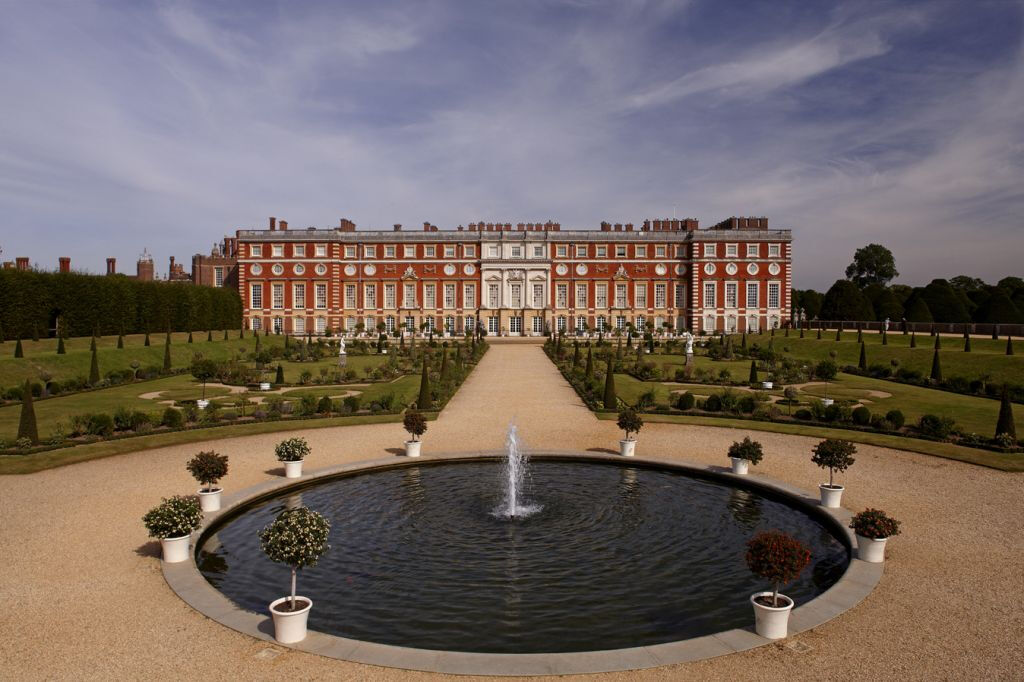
[[208, 468], [743, 453], [778, 558], [298, 538], [416, 425], [835, 455], [292, 452], [872, 528], [172, 521], [630, 422]]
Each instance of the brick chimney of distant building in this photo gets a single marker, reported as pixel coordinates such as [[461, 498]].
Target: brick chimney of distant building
[[111, 266], [21, 262], [65, 264]]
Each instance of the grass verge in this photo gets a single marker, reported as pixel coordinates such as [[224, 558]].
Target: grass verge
[[992, 460]]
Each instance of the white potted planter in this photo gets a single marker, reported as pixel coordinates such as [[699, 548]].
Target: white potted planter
[[264, 385], [415, 425], [293, 469], [744, 453], [297, 538], [871, 550], [291, 453], [208, 468], [290, 626], [209, 500], [771, 622], [831, 495], [827, 402], [175, 550], [835, 455], [173, 522], [202, 404], [872, 528], [767, 385], [627, 447], [630, 422]]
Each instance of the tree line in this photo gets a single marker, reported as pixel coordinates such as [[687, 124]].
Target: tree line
[[40, 304], [866, 295]]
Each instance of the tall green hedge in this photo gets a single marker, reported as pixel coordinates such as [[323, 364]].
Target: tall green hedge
[[110, 304]]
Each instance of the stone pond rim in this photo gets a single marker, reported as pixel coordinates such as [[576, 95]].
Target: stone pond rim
[[853, 585]]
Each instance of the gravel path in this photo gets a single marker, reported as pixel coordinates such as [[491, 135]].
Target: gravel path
[[84, 597]]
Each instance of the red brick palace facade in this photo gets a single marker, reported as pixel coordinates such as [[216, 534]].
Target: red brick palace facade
[[517, 280]]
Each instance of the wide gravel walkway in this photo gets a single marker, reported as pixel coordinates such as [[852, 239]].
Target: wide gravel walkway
[[83, 596]]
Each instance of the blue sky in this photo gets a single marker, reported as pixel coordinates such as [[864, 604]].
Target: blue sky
[[167, 125]]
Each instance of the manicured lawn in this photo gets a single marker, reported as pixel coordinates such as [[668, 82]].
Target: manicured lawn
[[52, 411], [994, 460]]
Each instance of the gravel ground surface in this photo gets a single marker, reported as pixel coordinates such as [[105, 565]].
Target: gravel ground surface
[[84, 597]]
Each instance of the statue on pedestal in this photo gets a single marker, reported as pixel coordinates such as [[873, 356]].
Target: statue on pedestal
[[689, 347], [342, 355]]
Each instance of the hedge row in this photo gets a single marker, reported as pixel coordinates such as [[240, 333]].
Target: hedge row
[[31, 303]]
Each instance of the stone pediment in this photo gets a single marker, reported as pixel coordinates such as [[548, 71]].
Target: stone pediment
[[621, 273], [493, 277], [538, 278], [409, 273]]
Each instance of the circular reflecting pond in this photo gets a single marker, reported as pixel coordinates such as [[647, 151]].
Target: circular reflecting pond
[[610, 557]]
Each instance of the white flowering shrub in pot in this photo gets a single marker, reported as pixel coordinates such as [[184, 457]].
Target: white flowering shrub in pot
[[297, 538], [292, 452], [745, 452], [172, 522]]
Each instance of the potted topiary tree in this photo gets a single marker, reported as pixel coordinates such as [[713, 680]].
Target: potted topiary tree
[[208, 468], [778, 558], [298, 538], [292, 452], [630, 422], [835, 455], [743, 453], [172, 521], [872, 528], [416, 425]]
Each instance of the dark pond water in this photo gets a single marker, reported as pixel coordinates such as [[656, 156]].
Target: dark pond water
[[614, 557]]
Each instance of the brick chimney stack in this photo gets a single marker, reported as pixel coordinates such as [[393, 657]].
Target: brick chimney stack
[[65, 264], [282, 225], [21, 262], [273, 223], [111, 266]]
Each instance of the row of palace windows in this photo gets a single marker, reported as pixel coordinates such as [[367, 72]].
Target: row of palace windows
[[753, 250], [466, 324], [710, 298]]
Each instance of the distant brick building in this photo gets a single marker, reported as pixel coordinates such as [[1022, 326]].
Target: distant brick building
[[219, 268], [522, 280]]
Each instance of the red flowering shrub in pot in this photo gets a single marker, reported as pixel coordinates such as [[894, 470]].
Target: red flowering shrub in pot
[[872, 528], [778, 558]]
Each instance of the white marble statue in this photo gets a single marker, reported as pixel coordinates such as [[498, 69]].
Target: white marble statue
[[689, 342], [341, 345]]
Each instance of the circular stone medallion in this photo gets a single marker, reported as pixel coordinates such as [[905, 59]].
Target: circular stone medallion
[[322, 269], [752, 268], [581, 269], [277, 268], [709, 269], [680, 269], [449, 269], [469, 268], [370, 269], [349, 269], [660, 269], [256, 269], [562, 269], [299, 268], [730, 269], [774, 268]]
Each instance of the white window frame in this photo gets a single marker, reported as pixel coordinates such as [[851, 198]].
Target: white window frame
[[350, 252], [660, 295], [710, 299], [515, 295], [640, 250], [602, 251], [492, 324], [621, 296], [469, 251], [369, 251], [409, 251], [581, 295], [538, 251], [449, 295], [581, 250], [774, 250], [753, 250], [640, 295], [299, 295], [429, 296], [493, 295], [680, 295], [620, 251], [389, 251], [429, 251], [561, 295], [218, 276], [298, 250], [710, 250], [409, 295], [277, 251], [601, 295], [561, 251], [469, 295], [389, 296], [370, 295], [449, 251], [560, 324], [732, 295], [659, 251], [256, 251], [753, 301], [349, 296], [492, 252], [774, 293], [320, 295], [299, 325], [256, 295], [321, 250]]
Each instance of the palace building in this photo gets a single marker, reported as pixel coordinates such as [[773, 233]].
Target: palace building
[[517, 280]]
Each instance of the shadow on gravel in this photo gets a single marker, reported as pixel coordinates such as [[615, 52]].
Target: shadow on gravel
[[149, 549], [396, 451], [276, 471], [267, 627], [605, 451]]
